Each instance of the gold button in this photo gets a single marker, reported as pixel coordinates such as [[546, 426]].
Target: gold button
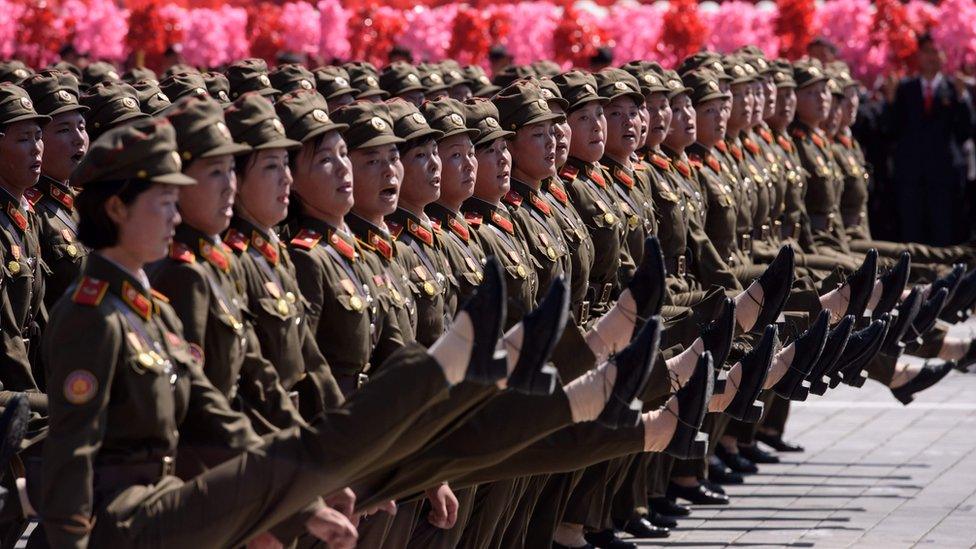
[[609, 217], [429, 288], [551, 252], [14, 267], [290, 297], [72, 250], [356, 303], [521, 271], [282, 306], [146, 360]]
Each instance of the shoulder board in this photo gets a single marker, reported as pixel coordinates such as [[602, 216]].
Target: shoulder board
[[569, 172], [237, 241], [343, 247], [513, 198], [90, 291], [751, 145], [785, 143], [33, 195], [660, 161], [682, 168], [623, 177], [306, 239], [473, 219], [181, 252], [159, 296], [557, 191], [396, 229]]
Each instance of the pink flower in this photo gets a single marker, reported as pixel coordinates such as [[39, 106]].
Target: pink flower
[[738, 24], [334, 37], [301, 20], [215, 36], [956, 33]]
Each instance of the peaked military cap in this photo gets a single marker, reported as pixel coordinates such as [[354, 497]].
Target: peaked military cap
[[144, 150]]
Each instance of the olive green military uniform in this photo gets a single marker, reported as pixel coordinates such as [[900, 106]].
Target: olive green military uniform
[[110, 104], [581, 248], [54, 93], [22, 271], [114, 337]]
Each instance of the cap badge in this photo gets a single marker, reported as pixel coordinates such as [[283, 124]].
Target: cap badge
[[20, 73], [435, 78], [620, 86], [129, 103], [418, 118], [814, 72], [341, 82], [162, 97], [543, 104], [456, 119], [712, 85], [264, 80], [546, 93], [674, 84], [371, 82], [320, 116], [26, 103], [222, 95], [63, 96], [484, 80], [305, 84], [491, 122], [278, 127], [175, 156], [738, 71], [378, 123], [589, 89], [224, 131], [412, 78]]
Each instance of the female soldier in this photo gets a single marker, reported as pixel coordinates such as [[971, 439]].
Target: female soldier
[[126, 379], [268, 274], [55, 94], [206, 280]]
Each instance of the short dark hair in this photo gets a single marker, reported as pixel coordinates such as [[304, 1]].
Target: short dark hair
[[95, 229], [240, 165]]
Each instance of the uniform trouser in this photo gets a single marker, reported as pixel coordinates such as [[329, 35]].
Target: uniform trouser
[[516, 532], [249, 494], [630, 501], [548, 514], [488, 512], [593, 495], [659, 472], [775, 416], [714, 425], [945, 255]]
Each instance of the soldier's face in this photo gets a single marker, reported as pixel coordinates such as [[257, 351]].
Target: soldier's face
[[623, 127], [494, 171], [147, 224], [645, 123], [209, 205], [742, 102], [263, 192], [323, 175], [785, 107], [458, 168], [831, 124], [758, 103], [849, 107], [376, 173], [421, 182], [65, 144], [589, 132], [416, 97], [659, 118], [682, 131], [534, 151], [813, 103], [710, 122], [769, 92], [21, 150], [461, 92], [341, 101], [563, 133]]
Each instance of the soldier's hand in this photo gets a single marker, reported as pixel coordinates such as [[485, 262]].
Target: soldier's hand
[[333, 528], [265, 541], [343, 501], [443, 507], [389, 507]]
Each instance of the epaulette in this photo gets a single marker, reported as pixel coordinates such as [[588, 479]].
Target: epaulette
[[343, 247], [557, 191], [66, 200], [267, 249], [714, 164], [33, 195], [540, 204], [845, 141], [421, 232], [159, 296], [569, 172], [660, 161], [503, 223], [682, 168], [181, 252], [306, 239], [458, 229], [395, 229], [136, 300], [597, 177], [16, 216], [215, 255], [513, 198], [90, 291], [624, 177], [785, 143], [236, 240], [736, 151], [474, 219]]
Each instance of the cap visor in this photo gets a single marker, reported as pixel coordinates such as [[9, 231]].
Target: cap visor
[[409, 89], [67, 108], [812, 82], [559, 101], [638, 97], [542, 118], [712, 95], [229, 148], [127, 117], [282, 143], [324, 129], [268, 91], [493, 135], [380, 140], [436, 134], [41, 119], [675, 93], [373, 93], [173, 179], [489, 91], [597, 98], [472, 133]]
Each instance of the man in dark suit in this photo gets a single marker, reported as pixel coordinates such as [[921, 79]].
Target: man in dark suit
[[928, 117]]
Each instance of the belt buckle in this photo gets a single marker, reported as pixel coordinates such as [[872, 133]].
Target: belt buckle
[[747, 244], [605, 292], [168, 466], [361, 380], [796, 230], [778, 228], [764, 232], [682, 265], [584, 312]]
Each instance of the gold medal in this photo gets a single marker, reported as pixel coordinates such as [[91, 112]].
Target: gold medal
[[478, 276], [146, 360], [282, 306], [14, 267], [72, 250], [609, 217], [633, 222], [356, 303], [396, 295], [290, 297], [521, 271], [429, 288], [551, 252]]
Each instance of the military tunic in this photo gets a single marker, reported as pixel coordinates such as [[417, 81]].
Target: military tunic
[[534, 219], [22, 274], [53, 203], [461, 247], [825, 184], [206, 283], [579, 242], [632, 186], [721, 219], [430, 279], [279, 308], [497, 234]]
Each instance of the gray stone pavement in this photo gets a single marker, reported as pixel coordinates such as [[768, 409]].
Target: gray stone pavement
[[874, 474]]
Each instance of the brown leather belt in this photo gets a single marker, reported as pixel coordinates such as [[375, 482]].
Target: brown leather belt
[[676, 266]]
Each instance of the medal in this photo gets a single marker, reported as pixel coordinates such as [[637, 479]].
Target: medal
[[549, 251], [396, 295], [72, 250], [14, 267], [429, 288], [520, 270], [633, 222], [609, 218], [282, 306], [146, 361], [290, 297], [356, 303]]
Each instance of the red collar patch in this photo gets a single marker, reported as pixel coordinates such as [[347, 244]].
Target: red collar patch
[[596, 177], [557, 191], [569, 172], [845, 141], [682, 168], [420, 232], [90, 291], [343, 247], [660, 161], [767, 137], [306, 239], [17, 216], [381, 245], [785, 143], [540, 204], [722, 146], [33, 195], [736, 151], [473, 219], [500, 221], [750, 145], [214, 255], [136, 300], [513, 198], [458, 228], [64, 198], [236, 240], [267, 249], [181, 252]]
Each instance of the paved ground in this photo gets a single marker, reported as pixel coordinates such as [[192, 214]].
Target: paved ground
[[874, 474]]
